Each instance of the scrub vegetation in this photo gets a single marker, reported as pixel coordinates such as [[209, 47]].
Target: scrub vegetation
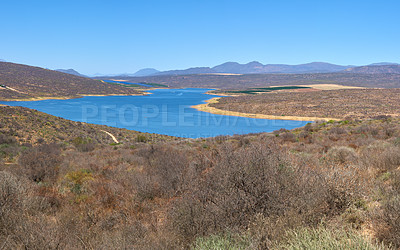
[[341, 104], [327, 185]]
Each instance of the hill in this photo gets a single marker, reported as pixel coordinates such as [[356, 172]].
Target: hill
[[19, 81], [376, 69], [331, 181], [265, 80], [29, 126], [70, 71]]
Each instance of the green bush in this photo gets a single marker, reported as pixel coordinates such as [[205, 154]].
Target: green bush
[[141, 138], [83, 144]]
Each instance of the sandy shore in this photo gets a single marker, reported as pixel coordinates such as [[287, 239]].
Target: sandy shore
[[206, 108]]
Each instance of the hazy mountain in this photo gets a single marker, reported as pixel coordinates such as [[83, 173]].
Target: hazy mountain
[[1, 60], [190, 71], [376, 69], [146, 72], [70, 71], [258, 68], [382, 64], [237, 68]]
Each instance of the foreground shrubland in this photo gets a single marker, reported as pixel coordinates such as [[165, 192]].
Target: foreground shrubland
[[327, 185]]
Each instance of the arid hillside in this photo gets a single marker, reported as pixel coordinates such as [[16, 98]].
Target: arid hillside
[[342, 104], [19, 81], [32, 127], [337, 182]]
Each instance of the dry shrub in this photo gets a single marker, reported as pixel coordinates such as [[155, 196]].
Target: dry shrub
[[288, 137], [342, 155], [259, 180], [381, 156], [386, 218], [165, 171], [41, 163], [21, 223], [5, 139]]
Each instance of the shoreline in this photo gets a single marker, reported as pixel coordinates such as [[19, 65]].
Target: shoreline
[[204, 107]]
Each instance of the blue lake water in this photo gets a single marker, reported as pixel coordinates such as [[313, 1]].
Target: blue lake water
[[165, 111]]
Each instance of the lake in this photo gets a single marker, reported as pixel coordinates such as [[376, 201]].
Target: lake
[[164, 111]]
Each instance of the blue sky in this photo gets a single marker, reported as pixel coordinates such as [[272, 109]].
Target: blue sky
[[125, 36]]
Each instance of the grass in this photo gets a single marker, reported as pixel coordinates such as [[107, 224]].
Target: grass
[[322, 238], [228, 241], [155, 84]]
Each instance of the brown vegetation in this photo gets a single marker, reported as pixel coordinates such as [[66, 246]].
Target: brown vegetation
[[342, 104], [34, 127], [19, 81], [251, 191]]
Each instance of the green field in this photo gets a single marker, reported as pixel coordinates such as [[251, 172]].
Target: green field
[[253, 91]]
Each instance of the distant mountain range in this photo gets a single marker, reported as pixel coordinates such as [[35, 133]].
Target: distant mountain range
[[70, 71], [376, 69], [259, 68]]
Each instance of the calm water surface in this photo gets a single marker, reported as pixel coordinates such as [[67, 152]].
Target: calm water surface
[[165, 111]]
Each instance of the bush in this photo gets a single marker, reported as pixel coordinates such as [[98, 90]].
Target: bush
[[41, 163], [141, 138], [387, 217], [83, 144], [5, 139], [342, 155], [381, 156], [257, 179], [288, 137]]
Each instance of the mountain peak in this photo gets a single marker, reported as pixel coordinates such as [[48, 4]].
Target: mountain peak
[[146, 72], [70, 71], [254, 63]]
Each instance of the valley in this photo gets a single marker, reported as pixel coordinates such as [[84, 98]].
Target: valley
[[327, 168]]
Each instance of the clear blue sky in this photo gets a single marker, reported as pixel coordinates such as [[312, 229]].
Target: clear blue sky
[[124, 36]]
